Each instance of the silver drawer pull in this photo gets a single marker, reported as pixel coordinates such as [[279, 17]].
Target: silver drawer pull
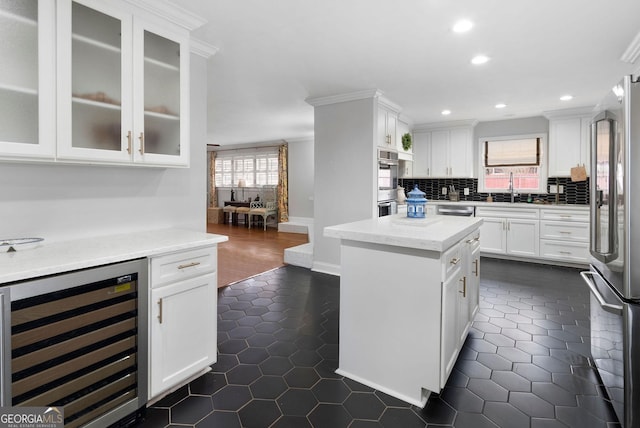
[[564, 252], [188, 265], [454, 261], [565, 232]]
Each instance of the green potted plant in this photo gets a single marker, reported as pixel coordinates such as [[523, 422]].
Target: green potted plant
[[406, 141]]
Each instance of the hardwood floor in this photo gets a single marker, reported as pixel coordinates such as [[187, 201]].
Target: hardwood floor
[[251, 251]]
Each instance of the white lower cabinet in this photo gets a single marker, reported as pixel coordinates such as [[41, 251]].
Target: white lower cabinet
[[182, 319], [510, 231], [564, 235]]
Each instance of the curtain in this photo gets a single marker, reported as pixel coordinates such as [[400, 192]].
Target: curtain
[[213, 191], [283, 184]]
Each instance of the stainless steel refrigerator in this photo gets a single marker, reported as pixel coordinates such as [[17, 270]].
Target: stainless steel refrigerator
[[614, 275]]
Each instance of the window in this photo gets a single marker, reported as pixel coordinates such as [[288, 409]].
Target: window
[[259, 168], [520, 157]]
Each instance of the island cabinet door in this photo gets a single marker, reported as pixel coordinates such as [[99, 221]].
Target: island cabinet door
[[450, 338], [183, 333]]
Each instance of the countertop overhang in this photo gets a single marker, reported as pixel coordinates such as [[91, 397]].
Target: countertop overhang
[[64, 256], [434, 233], [507, 204]]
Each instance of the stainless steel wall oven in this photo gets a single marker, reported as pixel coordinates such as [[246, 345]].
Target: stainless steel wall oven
[[79, 341], [387, 182]]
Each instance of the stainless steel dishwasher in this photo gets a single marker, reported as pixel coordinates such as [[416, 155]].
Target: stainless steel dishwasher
[[457, 210]]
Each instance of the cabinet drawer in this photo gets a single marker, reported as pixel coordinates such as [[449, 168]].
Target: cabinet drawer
[[565, 251], [182, 265], [507, 212], [565, 215], [451, 261], [564, 231]]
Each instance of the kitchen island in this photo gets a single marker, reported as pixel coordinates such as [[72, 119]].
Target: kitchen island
[[408, 294]]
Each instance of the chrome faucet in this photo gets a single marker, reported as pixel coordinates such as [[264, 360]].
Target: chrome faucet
[[511, 189]]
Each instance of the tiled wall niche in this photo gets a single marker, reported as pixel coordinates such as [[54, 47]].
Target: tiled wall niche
[[575, 193]]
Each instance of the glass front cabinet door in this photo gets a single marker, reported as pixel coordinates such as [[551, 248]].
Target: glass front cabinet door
[[27, 85], [121, 88]]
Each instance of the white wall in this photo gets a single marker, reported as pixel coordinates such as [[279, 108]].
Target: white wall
[[344, 179], [301, 171], [61, 202], [500, 128]]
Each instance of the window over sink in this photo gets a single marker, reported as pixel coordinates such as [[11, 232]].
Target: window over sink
[[519, 156]]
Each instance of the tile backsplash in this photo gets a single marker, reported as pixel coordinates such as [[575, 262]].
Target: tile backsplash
[[576, 193]]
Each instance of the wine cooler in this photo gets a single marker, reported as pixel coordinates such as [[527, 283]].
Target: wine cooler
[[78, 341]]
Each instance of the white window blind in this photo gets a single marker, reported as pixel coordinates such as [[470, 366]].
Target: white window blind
[[522, 152], [256, 168]]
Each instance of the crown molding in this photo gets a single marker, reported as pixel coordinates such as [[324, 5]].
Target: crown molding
[[342, 98], [445, 125], [568, 112], [632, 52], [202, 48], [170, 12]]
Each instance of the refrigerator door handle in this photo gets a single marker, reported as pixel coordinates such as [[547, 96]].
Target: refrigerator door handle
[[587, 276], [597, 195]]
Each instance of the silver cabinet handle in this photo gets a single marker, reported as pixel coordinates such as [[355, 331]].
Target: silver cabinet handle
[[188, 265], [141, 138], [454, 261], [129, 142], [160, 310], [464, 286], [475, 262]]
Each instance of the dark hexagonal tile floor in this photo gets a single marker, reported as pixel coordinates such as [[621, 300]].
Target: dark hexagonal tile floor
[[526, 361]]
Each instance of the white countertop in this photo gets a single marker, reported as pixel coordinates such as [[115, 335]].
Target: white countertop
[[64, 256], [436, 233], [508, 204]]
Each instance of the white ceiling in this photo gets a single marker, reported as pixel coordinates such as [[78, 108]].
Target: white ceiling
[[275, 54]]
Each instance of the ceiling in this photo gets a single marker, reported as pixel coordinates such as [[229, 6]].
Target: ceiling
[[275, 54]]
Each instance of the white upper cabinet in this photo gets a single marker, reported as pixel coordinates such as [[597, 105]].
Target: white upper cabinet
[[568, 143], [27, 85], [402, 129], [421, 154], [443, 152], [123, 86], [387, 124]]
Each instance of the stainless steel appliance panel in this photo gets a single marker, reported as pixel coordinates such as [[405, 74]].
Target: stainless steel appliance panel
[[5, 347], [387, 208], [80, 339], [456, 210], [387, 175], [615, 151], [614, 278]]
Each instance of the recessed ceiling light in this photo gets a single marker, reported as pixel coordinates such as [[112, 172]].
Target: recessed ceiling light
[[462, 26], [566, 97], [479, 59], [501, 105], [446, 112]]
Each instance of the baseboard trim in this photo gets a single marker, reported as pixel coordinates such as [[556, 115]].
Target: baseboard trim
[[328, 268]]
